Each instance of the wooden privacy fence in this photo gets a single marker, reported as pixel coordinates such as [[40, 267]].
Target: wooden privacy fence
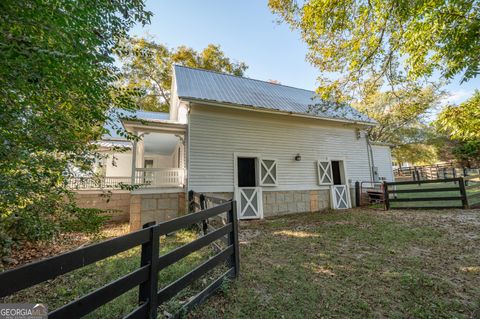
[[146, 276], [459, 192], [432, 172]]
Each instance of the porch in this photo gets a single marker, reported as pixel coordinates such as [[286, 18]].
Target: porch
[[155, 161]]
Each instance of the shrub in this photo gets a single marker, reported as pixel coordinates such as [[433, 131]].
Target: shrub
[[87, 220]]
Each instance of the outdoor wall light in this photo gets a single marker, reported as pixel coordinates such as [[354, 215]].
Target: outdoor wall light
[[298, 158]]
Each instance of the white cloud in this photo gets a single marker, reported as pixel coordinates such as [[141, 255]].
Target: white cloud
[[455, 97]]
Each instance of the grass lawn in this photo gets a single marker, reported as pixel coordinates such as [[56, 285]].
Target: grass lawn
[[356, 264], [63, 289]]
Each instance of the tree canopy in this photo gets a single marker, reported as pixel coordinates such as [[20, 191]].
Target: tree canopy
[[56, 86], [402, 119], [384, 39], [147, 68], [460, 124], [462, 121]]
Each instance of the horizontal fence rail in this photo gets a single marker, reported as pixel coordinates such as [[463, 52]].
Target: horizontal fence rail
[[146, 276], [459, 192]]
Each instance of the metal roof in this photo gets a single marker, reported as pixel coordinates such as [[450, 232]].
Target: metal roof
[[205, 85], [118, 114]]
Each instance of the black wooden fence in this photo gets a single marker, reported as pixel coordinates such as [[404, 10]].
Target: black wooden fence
[[459, 192], [146, 276]]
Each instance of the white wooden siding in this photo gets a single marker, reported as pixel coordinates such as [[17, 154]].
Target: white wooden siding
[[216, 133], [119, 164], [382, 159]]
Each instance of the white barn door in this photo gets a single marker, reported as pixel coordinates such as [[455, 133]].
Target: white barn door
[[248, 192], [249, 202], [333, 173], [340, 197]]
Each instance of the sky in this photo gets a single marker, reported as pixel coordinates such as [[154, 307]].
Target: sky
[[247, 31]]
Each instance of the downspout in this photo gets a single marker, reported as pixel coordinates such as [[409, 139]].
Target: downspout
[[371, 162]]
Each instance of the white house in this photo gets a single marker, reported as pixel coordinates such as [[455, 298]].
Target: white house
[[275, 148]]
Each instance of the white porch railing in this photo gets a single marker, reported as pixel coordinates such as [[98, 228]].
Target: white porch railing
[[113, 182], [144, 177], [160, 177]]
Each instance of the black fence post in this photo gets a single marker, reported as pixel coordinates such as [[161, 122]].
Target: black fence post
[[203, 206], [463, 192], [191, 201], [465, 174], [357, 194], [386, 198], [147, 292], [233, 238]]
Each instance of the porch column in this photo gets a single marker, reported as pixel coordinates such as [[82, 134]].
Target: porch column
[[137, 155], [134, 159]]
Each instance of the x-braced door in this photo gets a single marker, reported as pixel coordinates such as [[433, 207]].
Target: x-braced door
[[340, 197], [249, 201]]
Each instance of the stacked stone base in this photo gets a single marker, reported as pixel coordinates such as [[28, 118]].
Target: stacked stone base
[[146, 208], [161, 207], [277, 203], [116, 204]]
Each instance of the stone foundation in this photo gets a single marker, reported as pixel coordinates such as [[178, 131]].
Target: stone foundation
[[277, 203], [288, 202], [117, 204], [146, 208]]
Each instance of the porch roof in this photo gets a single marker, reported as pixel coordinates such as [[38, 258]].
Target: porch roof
[[154, 125]]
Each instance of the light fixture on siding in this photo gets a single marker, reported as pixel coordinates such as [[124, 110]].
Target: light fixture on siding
[[358, 133], [298, 158]]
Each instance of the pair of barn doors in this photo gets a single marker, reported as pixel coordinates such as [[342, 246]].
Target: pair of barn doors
[[252, 172], [333, 173]]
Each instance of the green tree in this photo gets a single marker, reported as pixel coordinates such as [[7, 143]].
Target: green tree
[[417, 154], [463, 121], [402, 119], [147, 68], [402, 116], [56, 87], [461, 127], [383, 39]]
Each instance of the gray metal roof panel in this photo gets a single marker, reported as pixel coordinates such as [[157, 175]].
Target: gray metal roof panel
[[207, 85]]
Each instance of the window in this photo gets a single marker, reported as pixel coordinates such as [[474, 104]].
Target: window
[[268, 172], [148, 163], [324, 170]]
